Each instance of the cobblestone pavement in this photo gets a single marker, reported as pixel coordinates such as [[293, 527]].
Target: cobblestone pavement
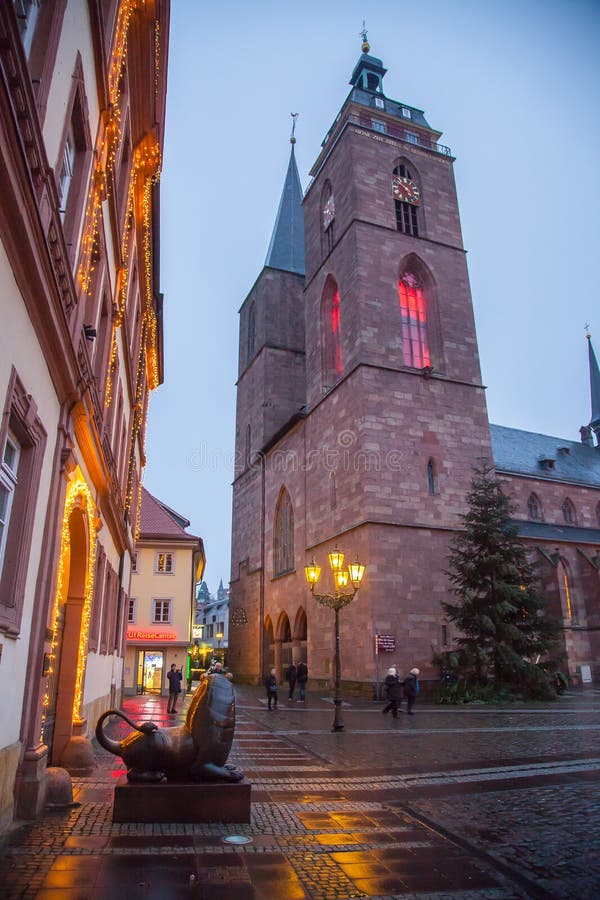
[[467, 803]]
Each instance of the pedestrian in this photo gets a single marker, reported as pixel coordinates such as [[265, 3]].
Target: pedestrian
[[175, 677], [411, 689], [271, 689], [291, 677], [302, 670], [216, 668], [392, 688]]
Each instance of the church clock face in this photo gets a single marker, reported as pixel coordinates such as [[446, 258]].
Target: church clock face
[[328, 212], [405, 190]]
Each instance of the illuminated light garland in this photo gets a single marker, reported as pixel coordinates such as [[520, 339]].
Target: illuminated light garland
[[78, 496], [108, 144], [145, 165]]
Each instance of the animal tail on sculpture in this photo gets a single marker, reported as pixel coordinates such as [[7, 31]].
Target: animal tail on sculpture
[[115, 746]]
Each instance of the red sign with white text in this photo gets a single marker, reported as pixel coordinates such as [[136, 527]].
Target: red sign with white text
[[385, 643], [134, 635]]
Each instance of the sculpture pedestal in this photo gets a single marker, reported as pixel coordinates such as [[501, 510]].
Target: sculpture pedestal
[[181, 801]]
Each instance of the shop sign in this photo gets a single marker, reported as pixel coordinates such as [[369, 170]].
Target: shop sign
[[385, 643], [138, 635], [197, 632]]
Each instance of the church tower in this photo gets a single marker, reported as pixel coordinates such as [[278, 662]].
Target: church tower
[[372, 417]]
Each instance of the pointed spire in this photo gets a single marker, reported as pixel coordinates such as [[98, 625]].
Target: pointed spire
[[594, 389], [286, 249]]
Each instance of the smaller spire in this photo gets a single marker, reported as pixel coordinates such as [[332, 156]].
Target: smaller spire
[[594, 387], [286, 249]]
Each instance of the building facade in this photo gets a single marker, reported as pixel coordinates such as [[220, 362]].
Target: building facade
[[212, 622], [168, 564], [361, 415], [82, 110]]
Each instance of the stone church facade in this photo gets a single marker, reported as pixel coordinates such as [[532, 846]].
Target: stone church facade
[[361, 415]]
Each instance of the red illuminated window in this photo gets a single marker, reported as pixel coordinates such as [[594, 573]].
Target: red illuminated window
[[331, 333], [413, 309]]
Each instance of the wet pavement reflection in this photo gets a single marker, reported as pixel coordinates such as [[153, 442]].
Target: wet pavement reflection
[[488, 802]]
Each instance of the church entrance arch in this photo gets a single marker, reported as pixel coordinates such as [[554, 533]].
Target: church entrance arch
[[269, 645], [283, 645], [299, 650]]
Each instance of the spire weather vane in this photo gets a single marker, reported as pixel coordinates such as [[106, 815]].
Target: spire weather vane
[[294, 117], [363, 34], [587, 330]]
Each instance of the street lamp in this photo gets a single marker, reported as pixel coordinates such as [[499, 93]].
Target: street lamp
[[341, 578]]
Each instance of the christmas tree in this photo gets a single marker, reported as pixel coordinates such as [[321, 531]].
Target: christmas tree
[[507, 638]]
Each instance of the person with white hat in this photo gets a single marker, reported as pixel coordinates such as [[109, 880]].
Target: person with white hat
[[411, 689]]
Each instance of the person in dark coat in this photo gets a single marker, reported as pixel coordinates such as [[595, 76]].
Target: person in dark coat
[[271, 689], [174, 676], [394, 695], [302, 669], [292, 676], [411, 689]]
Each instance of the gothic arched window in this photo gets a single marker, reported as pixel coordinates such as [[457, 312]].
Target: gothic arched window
[[413, 309], [566, 587], [431, 479], [283, 535], [327, 218], [534, 507], [407, 197], [331, 333], [248, 447], [251, 336], [568, 511]]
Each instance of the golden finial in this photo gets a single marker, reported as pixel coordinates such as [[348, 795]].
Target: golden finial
[[294, 117], [363, 34]]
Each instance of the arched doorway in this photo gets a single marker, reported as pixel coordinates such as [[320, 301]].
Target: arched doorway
[[269, 645], [299, 638], [62, 721], [284, 642]]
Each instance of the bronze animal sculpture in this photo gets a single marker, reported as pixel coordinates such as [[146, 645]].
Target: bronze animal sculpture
[[196, 750]]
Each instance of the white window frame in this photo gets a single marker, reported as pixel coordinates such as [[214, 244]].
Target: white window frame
[[167, 569], [8, 481], [132, 611], [67, 169], [166, 605], [378, 125], [412, 137], [135, 564], [406, 112], [379, 103]]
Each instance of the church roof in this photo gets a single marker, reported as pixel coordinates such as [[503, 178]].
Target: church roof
[[544, 457], [157, 520], [544, 531], [286, 250], [594, 385]]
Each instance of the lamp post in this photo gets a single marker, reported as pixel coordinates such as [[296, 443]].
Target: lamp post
[[219, 637], [341, 578]]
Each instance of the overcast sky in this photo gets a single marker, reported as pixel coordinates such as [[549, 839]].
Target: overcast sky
[[513, 86]]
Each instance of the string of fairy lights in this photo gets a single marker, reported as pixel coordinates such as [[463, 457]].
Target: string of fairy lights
[[144, 173], [78, 497]]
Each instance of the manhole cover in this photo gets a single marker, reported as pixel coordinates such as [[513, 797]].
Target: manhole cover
[[237, 839]]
